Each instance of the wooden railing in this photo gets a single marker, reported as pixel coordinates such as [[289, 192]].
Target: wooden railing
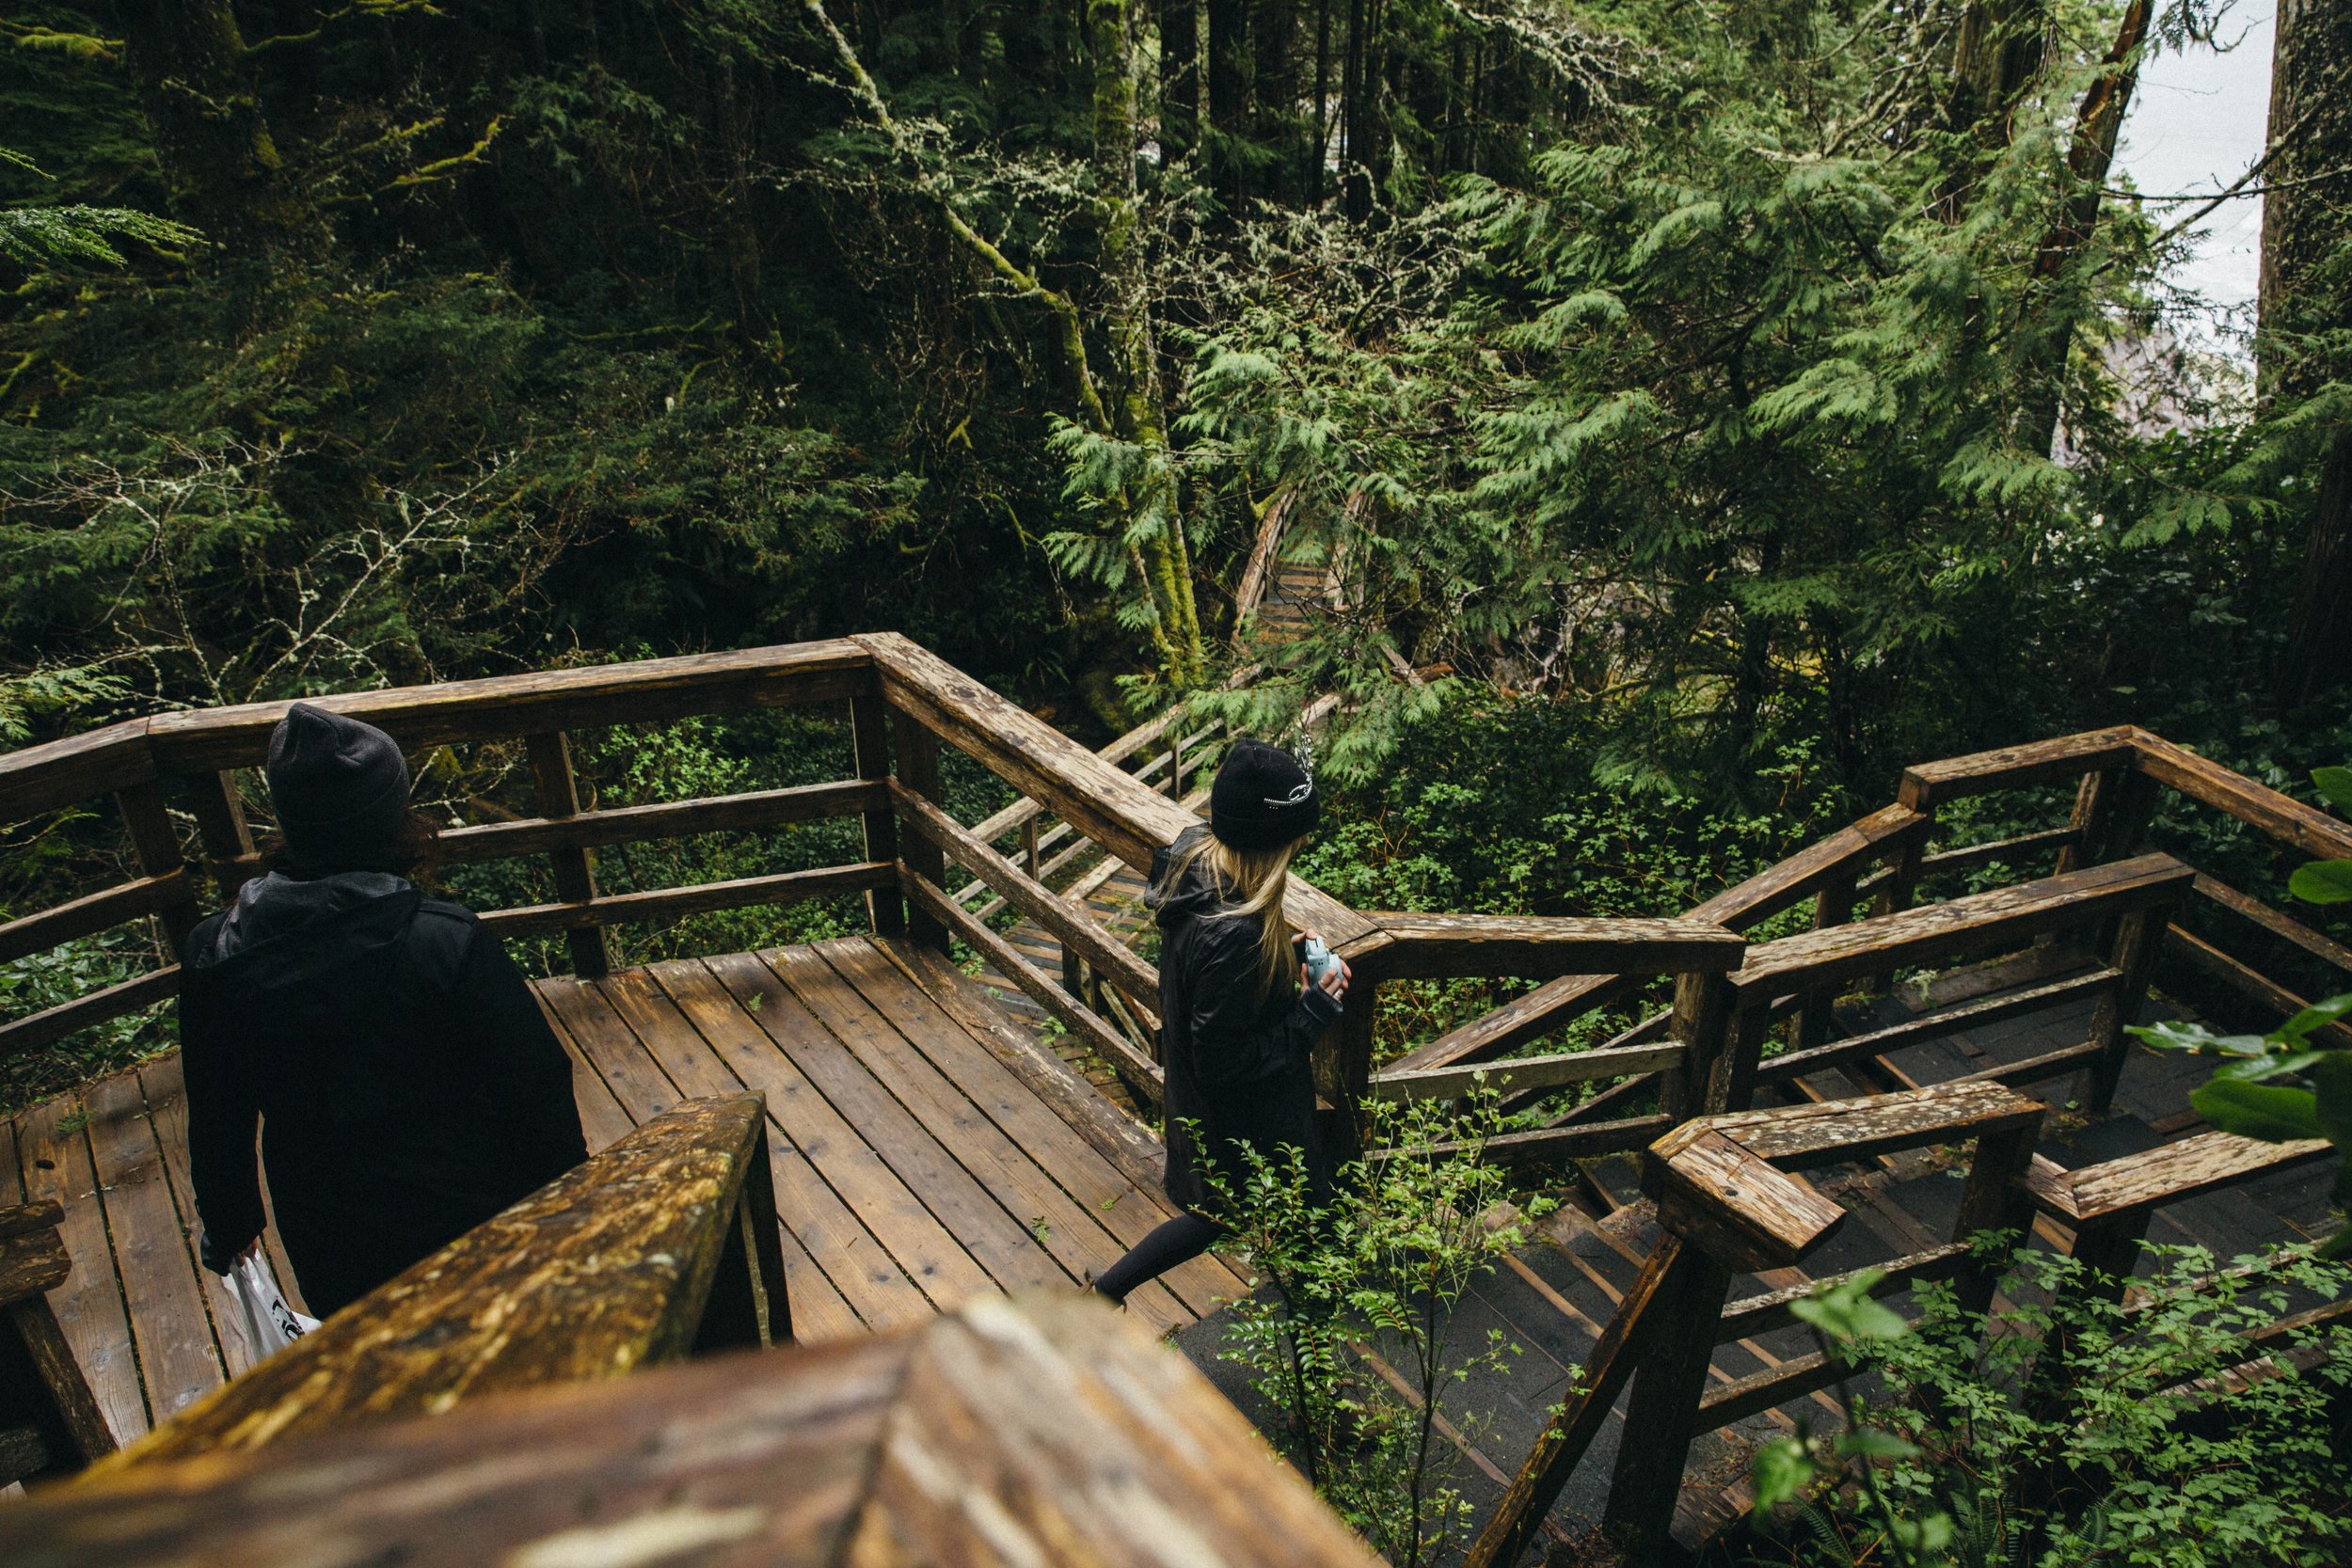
[[187, 760], [1727, 1205], [664, 1244], [1703, 1053], [1041, 1429]]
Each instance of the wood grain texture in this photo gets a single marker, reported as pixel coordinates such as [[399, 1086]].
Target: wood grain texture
[[1931, 784], [38, 780], [2304, 828], [1444, 946], [1731, 1201], [1934, 931], [759, 808], [1579, 1421], [1934, 1026], [602, 1270], [1116, 810], [92, 911], [1798, 1137], [1001, 955], [1048, 1432], [1111, 959], [2333, 953], [781, 887], [503, 706], [55, 1024], [2168, 1174], [1770, 1310], [1522, 1073]]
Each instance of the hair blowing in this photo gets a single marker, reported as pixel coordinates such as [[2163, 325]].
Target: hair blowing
[[1250, 883]]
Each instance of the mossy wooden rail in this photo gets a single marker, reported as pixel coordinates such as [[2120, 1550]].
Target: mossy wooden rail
[[1038, 1431], [664, 1244]]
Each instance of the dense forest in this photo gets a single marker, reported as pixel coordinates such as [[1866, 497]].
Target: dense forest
[[1697, 410]]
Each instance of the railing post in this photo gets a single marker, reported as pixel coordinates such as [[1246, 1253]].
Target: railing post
[[1663, 1406], [1029, 849], [917, 752], [1351, 1069], [1706, 1022], [575, 871], [157, 849], [1832, 905], [221, 827], [2139, 937], [869, 734], [1994, 1199]]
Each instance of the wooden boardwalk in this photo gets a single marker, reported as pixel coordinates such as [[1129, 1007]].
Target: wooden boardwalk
[[924, 1149], [1554, 1297]]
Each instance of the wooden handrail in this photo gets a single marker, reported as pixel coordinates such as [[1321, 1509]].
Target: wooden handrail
[[1450, 946], [1041, 1429], [664, 1242], [1727, 1205]]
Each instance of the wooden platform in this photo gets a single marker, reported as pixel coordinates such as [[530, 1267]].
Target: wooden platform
[[926, 1150]]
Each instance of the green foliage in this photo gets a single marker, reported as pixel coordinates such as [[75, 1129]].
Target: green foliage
[[75, 235], [1356, 1299], [2245, 1096], [2071, 1429]]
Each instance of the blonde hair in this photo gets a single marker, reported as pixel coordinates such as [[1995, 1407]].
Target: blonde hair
[[1250, 883]]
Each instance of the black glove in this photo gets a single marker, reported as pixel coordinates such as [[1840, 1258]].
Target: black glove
[[219, 1259]]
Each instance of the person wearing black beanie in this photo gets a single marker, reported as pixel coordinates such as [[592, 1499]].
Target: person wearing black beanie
[[1237, 1022], [406, 1084]]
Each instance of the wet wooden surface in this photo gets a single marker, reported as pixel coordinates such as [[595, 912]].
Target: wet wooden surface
[[924, 1148]]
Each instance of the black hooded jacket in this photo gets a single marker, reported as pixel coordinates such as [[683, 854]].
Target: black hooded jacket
[[1235, 1055], [407, 1085]]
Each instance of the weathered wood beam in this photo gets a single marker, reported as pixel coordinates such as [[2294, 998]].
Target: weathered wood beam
[[783, 887]]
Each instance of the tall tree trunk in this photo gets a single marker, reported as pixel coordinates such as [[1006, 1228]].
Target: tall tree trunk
[[196, 84], [1161, 554], [1180, 80], [2307, 290], [1313, 182], [1229, 100], [1360, 112], [2052, 297], [1274, 87], [1995, 57], [1160, 559]]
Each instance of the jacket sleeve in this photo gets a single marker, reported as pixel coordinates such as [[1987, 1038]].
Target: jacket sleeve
[[1232, 1041], [224, 1116], [521, 1060]]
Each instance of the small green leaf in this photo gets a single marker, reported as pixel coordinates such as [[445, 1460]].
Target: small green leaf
[[2294, 1030], [2255, 1069], [1870, 1443], [2175, 1035], [1781, 1470], [2335, 783], [2323, 883], [2260, 1111]]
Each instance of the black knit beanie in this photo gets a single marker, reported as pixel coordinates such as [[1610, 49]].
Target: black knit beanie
[[1262, 798], [340, 787]]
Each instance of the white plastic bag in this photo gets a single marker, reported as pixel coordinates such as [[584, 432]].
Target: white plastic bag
[[270, 1324]]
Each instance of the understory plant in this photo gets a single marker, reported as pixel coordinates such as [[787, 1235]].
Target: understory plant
[[2065, 1428], [1350, 1337]]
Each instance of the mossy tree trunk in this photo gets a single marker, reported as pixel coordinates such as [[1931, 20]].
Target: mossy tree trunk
[[197, 86]]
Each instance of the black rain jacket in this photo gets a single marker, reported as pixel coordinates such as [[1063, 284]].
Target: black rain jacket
[[407, 1085], [1236, 1056]]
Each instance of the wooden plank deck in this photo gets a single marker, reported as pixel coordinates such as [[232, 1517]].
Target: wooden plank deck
[[925, 1149]]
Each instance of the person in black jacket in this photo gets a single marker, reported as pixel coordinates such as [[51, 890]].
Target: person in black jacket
[[1235, 1022], [406, 1083]]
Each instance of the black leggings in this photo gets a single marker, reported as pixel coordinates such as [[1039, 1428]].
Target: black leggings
[[1177, 1240]]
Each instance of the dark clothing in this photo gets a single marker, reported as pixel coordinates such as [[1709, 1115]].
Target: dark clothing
[[1170, 1242], [1235, 1055], [407, 1086]]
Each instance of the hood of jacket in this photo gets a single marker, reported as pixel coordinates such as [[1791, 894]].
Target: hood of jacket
[[328, 935], [1193, 898]]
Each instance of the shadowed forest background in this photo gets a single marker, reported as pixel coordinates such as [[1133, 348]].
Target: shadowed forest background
[[1669, 391]]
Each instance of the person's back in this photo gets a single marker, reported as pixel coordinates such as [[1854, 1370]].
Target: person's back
[[407, 1085]]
